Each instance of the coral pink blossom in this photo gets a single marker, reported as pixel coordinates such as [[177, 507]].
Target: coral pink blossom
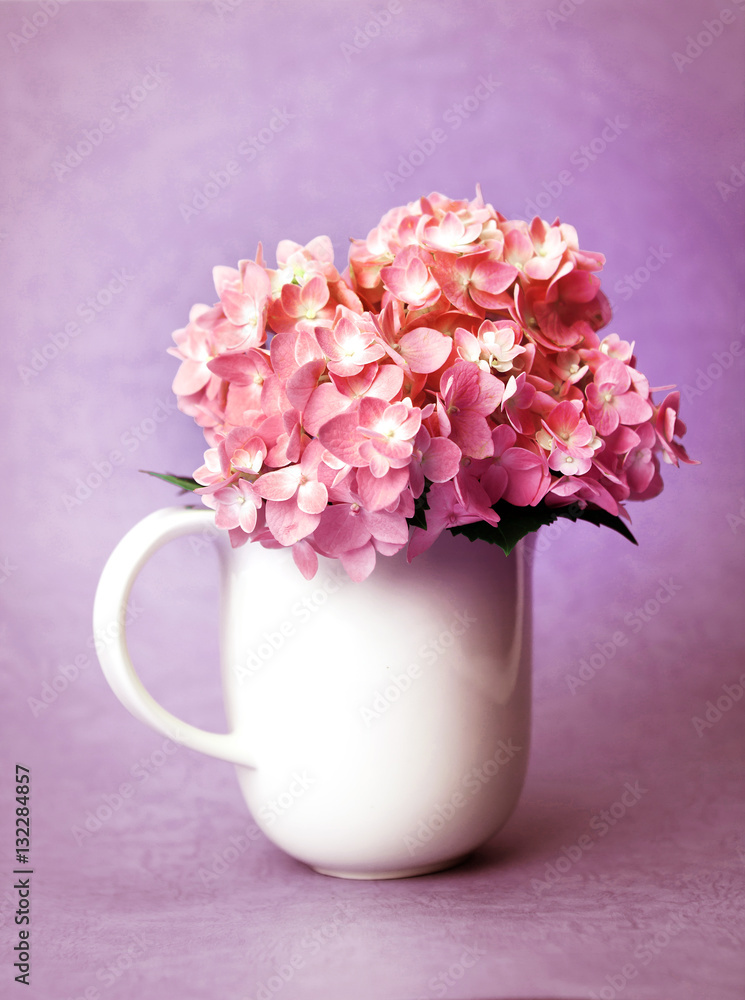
[[668, 425], [475, 282], [236, 505], [611, 399], [468, 397], [447, 509], [454, 369], [574, 440], [409, 280]]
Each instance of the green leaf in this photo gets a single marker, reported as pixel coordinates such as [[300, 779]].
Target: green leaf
[[514, 524], [419, 518], [186, 483], [597, 516], [517, 522]]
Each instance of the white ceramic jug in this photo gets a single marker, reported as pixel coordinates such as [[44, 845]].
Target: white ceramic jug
[[379, 729]]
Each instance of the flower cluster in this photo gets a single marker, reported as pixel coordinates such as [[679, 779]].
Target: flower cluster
[[453, 369]]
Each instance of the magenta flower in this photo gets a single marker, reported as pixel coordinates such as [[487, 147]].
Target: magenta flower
[[420, 351], [236, 505], [244, 296], [474, 283], [409, 280], [434, 458], [458, 356], [548, 247], [450, 507], [467, 397], [611, 399], [668, 425], [517, 401], [449, 233], [493, 348], [351, 533], [515, 474], [639, 466], [349, 346], [574, 440], [311, 301]]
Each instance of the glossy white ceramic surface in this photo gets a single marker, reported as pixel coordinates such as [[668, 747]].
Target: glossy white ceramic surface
[[380, 729]]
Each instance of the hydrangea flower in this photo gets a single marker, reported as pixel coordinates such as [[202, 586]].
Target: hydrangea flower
[[451, 375]]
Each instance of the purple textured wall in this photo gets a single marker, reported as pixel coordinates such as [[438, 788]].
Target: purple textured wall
[[621, 116]]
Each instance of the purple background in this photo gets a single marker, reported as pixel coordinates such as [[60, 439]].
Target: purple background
[[661, 894]]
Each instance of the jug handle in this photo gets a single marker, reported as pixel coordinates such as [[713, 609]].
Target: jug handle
[[109, 617]]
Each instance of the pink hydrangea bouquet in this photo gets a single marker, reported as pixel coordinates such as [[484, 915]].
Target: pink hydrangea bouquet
[[451, 378]]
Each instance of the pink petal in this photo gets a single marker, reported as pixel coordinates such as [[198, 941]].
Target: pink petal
[[605, 419], [324, 404], [314, 294], [191, 377], [303, 383], [341, 529], [425, 350], [341, 437], [503, 437], [529, 478], [453, 275], [288, 523], [489, 279], [441, 461], [632, 409], [386, 526], [359, 563], [472, 434], [305, 558], [495, 481], [379, 493], [387, 383], [614, 375], [279, 485], [312, 497], [224, 278]]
